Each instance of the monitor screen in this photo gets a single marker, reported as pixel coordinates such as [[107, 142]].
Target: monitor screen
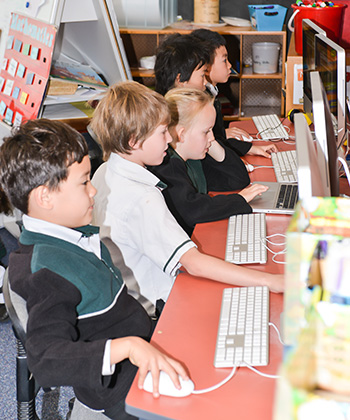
[[327, 154], [310, 182], [330, 63], [310, 30]]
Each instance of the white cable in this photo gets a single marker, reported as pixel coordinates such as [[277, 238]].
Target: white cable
[[277, 331], [212, 388], [274, 254], [275, 243], [266, 375], [272, 128], [233, 371], [259, 167]]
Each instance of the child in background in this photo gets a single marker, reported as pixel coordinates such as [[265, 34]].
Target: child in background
[[84, 330], [176, 59], [131, 123], [218, 71], [192, 118], [180, 61]]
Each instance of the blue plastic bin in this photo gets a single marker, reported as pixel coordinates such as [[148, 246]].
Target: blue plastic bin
[[267, 17]]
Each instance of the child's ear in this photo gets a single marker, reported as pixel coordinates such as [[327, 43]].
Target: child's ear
[[180, 134], [177, 82], [134, 144], [42, 197]]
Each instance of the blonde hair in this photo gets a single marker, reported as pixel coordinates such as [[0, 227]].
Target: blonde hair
[[185, 104], [128, 112]]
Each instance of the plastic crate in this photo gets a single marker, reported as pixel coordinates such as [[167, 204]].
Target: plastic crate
[[267, 17], [141, 13]]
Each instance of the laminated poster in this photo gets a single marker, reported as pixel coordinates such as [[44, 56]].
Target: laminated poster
[[25, 69]]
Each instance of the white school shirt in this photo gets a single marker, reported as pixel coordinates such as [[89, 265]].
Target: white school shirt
[[90, 244], [131, 211]]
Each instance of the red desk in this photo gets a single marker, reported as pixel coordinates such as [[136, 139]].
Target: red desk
[[187, 331], [188, 326]]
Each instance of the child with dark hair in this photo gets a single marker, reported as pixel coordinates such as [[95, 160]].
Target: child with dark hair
[[176, 57], [180, 60], [84, 330]]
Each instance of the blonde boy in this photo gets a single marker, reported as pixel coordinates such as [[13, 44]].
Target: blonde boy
[[131, 122]]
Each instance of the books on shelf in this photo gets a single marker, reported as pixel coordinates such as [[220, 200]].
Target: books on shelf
[[80, 74]]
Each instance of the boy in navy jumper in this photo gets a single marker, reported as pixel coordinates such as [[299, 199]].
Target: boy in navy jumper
[[84, 329]]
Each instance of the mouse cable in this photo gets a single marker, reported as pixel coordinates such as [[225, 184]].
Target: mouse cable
[[214, 387], [260, 166]]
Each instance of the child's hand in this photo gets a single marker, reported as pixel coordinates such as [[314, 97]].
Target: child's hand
[[236, 133], [263, 150], [148, 358], [252, 191]]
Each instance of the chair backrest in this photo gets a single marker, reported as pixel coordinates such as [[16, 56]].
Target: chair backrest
[[16, 308]]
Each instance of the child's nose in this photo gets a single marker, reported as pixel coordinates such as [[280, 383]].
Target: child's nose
[[168, 137], [92, 190]]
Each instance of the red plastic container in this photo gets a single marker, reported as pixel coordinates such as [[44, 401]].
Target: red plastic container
[[328, 18]]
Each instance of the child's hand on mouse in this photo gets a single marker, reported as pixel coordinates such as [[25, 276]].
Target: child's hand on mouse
[[236, 133], [264, 151], [252, 191], [148, 358]]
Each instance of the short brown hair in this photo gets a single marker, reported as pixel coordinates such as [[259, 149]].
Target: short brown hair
[[38, 153], [128, 111]]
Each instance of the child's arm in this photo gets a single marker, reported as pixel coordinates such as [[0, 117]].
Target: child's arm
[[147, 358], [236, 133], [263, 150], [216, 151], [203, 265]]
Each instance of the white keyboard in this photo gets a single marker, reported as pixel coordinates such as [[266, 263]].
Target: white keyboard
[[243, 332], [285, 166], [246, 238], [270, 127]]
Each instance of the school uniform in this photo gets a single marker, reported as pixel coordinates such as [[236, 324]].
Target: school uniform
[[232, 167], [131, 211], [77, 302], [187, 196]]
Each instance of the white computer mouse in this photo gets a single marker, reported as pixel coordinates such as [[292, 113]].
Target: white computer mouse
[[250, 168], [167, 387], [250, 138]]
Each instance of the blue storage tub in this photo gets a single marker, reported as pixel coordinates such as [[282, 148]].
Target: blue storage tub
[[267, 17]]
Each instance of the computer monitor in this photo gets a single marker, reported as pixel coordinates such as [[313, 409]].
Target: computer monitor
[[327, 154], [310, 182], [330, 61], [309, 31]]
